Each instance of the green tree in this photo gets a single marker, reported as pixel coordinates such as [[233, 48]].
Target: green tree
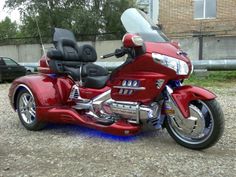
[[8, 29], [81, 16], [112, 11]]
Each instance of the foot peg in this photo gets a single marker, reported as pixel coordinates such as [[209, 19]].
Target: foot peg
[[100, 120]]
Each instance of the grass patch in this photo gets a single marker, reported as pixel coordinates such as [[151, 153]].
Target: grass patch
[[214, 78]]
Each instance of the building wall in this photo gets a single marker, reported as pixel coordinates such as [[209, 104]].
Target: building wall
[[177, 19], [30, 53]]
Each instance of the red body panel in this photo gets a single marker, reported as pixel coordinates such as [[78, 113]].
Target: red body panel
[[43, 66], [68, 115], [147, 71], [146, 79], [48, 90], [184, 95], [165, 49], [89, 93]]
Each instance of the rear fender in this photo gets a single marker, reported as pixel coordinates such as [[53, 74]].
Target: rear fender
[[185, 94], [48, 90]]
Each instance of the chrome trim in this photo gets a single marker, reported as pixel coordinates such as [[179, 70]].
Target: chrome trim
[[159, 83], [80, 72], [83, 106], [130, 88], [177, 113], [102, 97], [97, 101]]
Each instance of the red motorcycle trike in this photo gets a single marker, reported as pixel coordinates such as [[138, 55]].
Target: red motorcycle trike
[[144, 93]]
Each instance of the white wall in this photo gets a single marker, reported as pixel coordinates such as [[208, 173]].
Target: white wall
[[33, 52]]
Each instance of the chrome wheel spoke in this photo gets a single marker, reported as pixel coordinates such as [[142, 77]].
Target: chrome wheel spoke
[[31, 101], [22, 109], [32, 112], [28, 117], [25, 101]]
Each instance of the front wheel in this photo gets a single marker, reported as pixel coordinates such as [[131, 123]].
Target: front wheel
[[202, 130]]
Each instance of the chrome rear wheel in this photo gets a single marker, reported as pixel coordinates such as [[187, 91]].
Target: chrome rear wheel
[[26, 108]]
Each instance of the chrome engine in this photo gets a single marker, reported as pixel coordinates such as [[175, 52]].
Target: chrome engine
[[103, 108], [134, 112]]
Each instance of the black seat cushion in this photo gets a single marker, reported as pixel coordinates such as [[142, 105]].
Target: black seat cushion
[[91, 69], [74, 72], [94, 76], [97, 82]]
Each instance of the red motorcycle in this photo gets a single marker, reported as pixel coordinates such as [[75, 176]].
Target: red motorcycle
[[144, 93]]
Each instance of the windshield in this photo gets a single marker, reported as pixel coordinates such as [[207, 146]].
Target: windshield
[[137, 22]]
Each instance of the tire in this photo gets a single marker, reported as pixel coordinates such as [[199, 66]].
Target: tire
[[213, 127], [25, 105]]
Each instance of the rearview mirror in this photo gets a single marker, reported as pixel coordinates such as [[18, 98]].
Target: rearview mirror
[[132, 40]]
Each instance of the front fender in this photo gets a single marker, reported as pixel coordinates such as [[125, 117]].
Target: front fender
[[47, 90], [185, 94]]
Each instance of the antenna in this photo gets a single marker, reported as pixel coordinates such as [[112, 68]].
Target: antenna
[[40, 36]]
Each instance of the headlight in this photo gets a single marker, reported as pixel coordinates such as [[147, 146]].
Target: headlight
[[179, 66]]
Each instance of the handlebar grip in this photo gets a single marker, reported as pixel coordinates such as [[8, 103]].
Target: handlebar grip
[[108, 55]]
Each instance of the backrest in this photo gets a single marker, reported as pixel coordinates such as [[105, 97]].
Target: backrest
[[87, 53], [69, 50]]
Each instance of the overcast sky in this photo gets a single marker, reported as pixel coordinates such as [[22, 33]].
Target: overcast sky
[[14, 15]]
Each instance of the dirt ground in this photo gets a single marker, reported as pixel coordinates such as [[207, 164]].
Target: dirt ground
[[66, 150]]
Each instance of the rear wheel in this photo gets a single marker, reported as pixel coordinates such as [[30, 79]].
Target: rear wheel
[[26, 109], [202, 130]]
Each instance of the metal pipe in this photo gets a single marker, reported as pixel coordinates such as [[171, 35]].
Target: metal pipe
[[211, 65], [215, 65]]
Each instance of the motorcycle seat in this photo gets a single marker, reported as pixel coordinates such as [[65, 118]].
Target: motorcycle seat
[[68, 58], [97, 82]]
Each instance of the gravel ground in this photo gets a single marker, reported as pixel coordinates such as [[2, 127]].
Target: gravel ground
[[65, 150]]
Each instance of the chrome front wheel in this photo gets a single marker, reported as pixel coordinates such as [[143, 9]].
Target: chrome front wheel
[[204, 127]]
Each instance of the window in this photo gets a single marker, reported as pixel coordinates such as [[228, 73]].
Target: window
[[204, 9], [9, 62], [2, 62]]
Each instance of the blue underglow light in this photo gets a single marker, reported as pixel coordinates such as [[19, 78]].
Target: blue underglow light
[[52, 75], [88, 132]]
